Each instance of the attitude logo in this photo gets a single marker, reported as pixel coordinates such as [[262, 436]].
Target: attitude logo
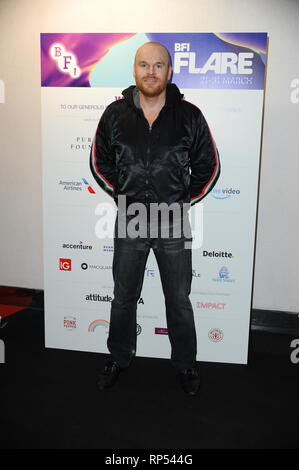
[[66, 61]]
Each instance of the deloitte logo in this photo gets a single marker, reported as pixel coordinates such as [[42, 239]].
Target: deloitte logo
[[226, 193], [217, 254]]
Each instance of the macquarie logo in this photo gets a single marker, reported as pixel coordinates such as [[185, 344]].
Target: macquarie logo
[[218, 62], [66, 61], [226, 193]]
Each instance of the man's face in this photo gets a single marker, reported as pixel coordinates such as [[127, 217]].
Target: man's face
[[152, 70]]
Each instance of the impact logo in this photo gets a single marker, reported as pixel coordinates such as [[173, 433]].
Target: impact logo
[[66, 61], [227, 193], [218, 62]]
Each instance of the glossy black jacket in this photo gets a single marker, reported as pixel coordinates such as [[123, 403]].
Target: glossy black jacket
[[176, 160]]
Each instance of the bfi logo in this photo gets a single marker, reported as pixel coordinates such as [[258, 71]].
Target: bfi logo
[[219, 62], [66, 61]]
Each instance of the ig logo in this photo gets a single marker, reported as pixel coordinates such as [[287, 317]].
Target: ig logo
[[66, 61]]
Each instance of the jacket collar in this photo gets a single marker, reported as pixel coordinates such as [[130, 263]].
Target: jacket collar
[[173, 95]]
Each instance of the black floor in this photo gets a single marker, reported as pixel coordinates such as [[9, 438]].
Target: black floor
[[49, 399]]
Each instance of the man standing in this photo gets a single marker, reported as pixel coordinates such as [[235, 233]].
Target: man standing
[[153, 147]]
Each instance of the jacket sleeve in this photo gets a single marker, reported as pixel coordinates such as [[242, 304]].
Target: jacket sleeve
[[204, 162], [102, 161]]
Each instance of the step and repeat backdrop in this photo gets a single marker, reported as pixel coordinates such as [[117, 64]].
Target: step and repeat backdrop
[[223, 74]]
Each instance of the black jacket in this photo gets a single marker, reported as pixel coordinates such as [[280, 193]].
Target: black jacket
[[174, 161]]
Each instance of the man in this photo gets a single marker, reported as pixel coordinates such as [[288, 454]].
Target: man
[[153, 147]]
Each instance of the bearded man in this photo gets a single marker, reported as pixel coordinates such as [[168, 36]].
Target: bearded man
[[152, 147]]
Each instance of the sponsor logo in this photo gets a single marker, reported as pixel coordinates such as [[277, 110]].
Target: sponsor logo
[[195, 273], [96, 323], [105, 298], [86, 266], [78, 246], [226, 193], [70, 323], [217, 254], [82, 143], [138, 329], [161, 331], [215, 335], [98, 298], [211, 305], [223, 276], [65, 264], [73, 185], [108, 248], [66, 61], [149, 272]]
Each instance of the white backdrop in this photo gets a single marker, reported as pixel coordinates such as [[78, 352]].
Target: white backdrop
[[77, 273]]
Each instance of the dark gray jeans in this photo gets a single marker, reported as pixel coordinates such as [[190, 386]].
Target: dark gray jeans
[[175, 267]]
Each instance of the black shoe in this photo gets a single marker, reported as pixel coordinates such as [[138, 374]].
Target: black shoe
[[109, 376], [190, 381]]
